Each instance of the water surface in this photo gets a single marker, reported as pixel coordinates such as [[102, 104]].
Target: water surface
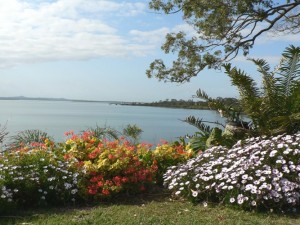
[[56, 117]]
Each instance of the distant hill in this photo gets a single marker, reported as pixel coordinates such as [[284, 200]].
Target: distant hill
[[47, 99]]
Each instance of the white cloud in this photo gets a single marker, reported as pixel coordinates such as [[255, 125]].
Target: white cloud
[[186, 28], [154, 37], [157, 36], [33, 31]]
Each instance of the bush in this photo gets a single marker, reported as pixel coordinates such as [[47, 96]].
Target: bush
[[257, 173], [110, 167], [38, 176]]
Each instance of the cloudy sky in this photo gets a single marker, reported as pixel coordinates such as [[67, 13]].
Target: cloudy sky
[[100, 50]]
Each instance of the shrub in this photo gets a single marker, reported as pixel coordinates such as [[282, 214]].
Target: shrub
[[110, 167], [38, 176], [255, 173]]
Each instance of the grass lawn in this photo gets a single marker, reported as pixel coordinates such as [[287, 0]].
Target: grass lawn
[[142, 210]]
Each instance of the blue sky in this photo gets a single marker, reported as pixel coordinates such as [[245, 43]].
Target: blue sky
[[100, 50]]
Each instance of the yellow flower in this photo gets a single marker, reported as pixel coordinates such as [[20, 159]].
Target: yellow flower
[[103, 164], [69, 142], [88, 165]]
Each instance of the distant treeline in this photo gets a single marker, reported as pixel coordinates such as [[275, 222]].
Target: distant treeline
[[186, 104]]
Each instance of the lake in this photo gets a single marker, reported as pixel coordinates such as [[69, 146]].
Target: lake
[[56, 117]]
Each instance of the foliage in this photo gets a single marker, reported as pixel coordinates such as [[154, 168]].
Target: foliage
[[275, 107], [36, 177], [272, 109], [221, 29], [133, 132], [3, 133], [228, 108], [198, 140], [27, 138], [174, 103], [256, 173], [104, 133]]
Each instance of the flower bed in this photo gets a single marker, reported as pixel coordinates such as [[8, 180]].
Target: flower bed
[[110, 167], [255, 173], [38, 176], [84, 168]]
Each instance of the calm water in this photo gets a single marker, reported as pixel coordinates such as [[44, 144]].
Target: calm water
[[56, 117]]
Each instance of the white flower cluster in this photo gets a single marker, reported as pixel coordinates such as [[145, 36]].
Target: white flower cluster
[[38, 179], [6, 193], [256, 172]]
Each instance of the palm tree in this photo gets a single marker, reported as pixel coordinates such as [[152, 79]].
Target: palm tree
[[274, 108]]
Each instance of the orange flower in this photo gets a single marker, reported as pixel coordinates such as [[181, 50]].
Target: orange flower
[[67, 156], [110, 157]]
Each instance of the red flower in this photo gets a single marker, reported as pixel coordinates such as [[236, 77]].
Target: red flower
[[96, 178], [147, 145], [124, 179], [92, 190], [110, 157], [164, 142], [69, 133], [94, 154], [105, 192]]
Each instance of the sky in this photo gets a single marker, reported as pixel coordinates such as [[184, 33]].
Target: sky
[[100, 50]]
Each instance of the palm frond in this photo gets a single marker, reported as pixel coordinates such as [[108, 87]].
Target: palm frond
[[202, 95], [200, 125], [246, 85], [249, 92], [263, 66], [104, 132], [270, 99], [27, 137], [289, 70]]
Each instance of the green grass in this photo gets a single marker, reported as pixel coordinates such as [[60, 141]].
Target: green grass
[[142, 210]]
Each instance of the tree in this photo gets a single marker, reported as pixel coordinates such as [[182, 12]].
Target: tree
[[274, 108], [223, 28]]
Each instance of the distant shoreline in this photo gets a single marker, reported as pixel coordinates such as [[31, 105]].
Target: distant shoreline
[[20, 98], [186, 105], [162, 104]]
